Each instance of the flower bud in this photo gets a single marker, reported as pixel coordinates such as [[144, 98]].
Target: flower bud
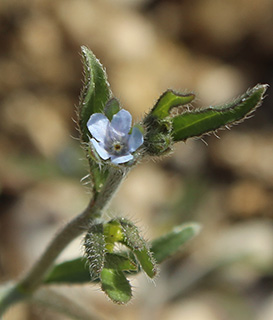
[[158, 138]]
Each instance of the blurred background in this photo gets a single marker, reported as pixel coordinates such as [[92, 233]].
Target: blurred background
[[217, 49]]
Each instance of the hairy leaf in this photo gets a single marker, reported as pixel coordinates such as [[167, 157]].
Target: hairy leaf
[[169, 100], [198, 122], [94, 96], [165, 246], [116, 286], [95, 93]]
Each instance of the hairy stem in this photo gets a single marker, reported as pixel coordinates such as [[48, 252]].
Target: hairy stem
[[74, 228]]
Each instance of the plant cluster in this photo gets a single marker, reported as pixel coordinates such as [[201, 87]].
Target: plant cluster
[[115, 250]]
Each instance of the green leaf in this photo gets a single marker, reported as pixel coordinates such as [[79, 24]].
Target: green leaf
[[116, 286], [170, 243], [169, 100], [198, 122], [95, 93], [72, 271], [94, 96]]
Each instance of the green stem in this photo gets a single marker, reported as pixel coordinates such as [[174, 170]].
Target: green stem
[[74, 228]]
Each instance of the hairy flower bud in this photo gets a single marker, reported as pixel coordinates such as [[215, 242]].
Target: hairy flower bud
[[158, 138]]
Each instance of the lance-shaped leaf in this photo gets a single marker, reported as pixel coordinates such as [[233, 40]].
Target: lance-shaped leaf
[[169, 100], [72, 271], [95, 93], [94, 96], [198, 122], [165, 246], [115, 285]]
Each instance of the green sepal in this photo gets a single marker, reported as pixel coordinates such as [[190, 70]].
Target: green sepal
[[95, 93], [94, 249], [198, 122], [131, 236], [116, 286], [168, 244], [169, 100], [158, 144], [119, 262], [98, 173], [140, 128], [158, 137], [139, 247], [112, 107]]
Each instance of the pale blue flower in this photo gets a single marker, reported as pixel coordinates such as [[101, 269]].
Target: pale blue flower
[[112, 140]]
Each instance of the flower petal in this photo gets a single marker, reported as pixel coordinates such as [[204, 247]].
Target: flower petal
[[121, 159], [122, 121], [135, 139], [100, 149], [97, 125]]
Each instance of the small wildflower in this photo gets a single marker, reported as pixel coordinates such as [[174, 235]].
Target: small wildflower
[[112, 140]]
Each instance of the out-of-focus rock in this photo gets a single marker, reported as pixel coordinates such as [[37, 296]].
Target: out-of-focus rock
[[266, 310], [250, 243], [40, 50], [246, 153], [246, 199], [192, 309], [27, 114], [219, 84]]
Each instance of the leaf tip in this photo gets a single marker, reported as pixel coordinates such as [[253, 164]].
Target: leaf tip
[[193, 226]]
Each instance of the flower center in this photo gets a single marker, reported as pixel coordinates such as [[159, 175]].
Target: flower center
[[117, 147]]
